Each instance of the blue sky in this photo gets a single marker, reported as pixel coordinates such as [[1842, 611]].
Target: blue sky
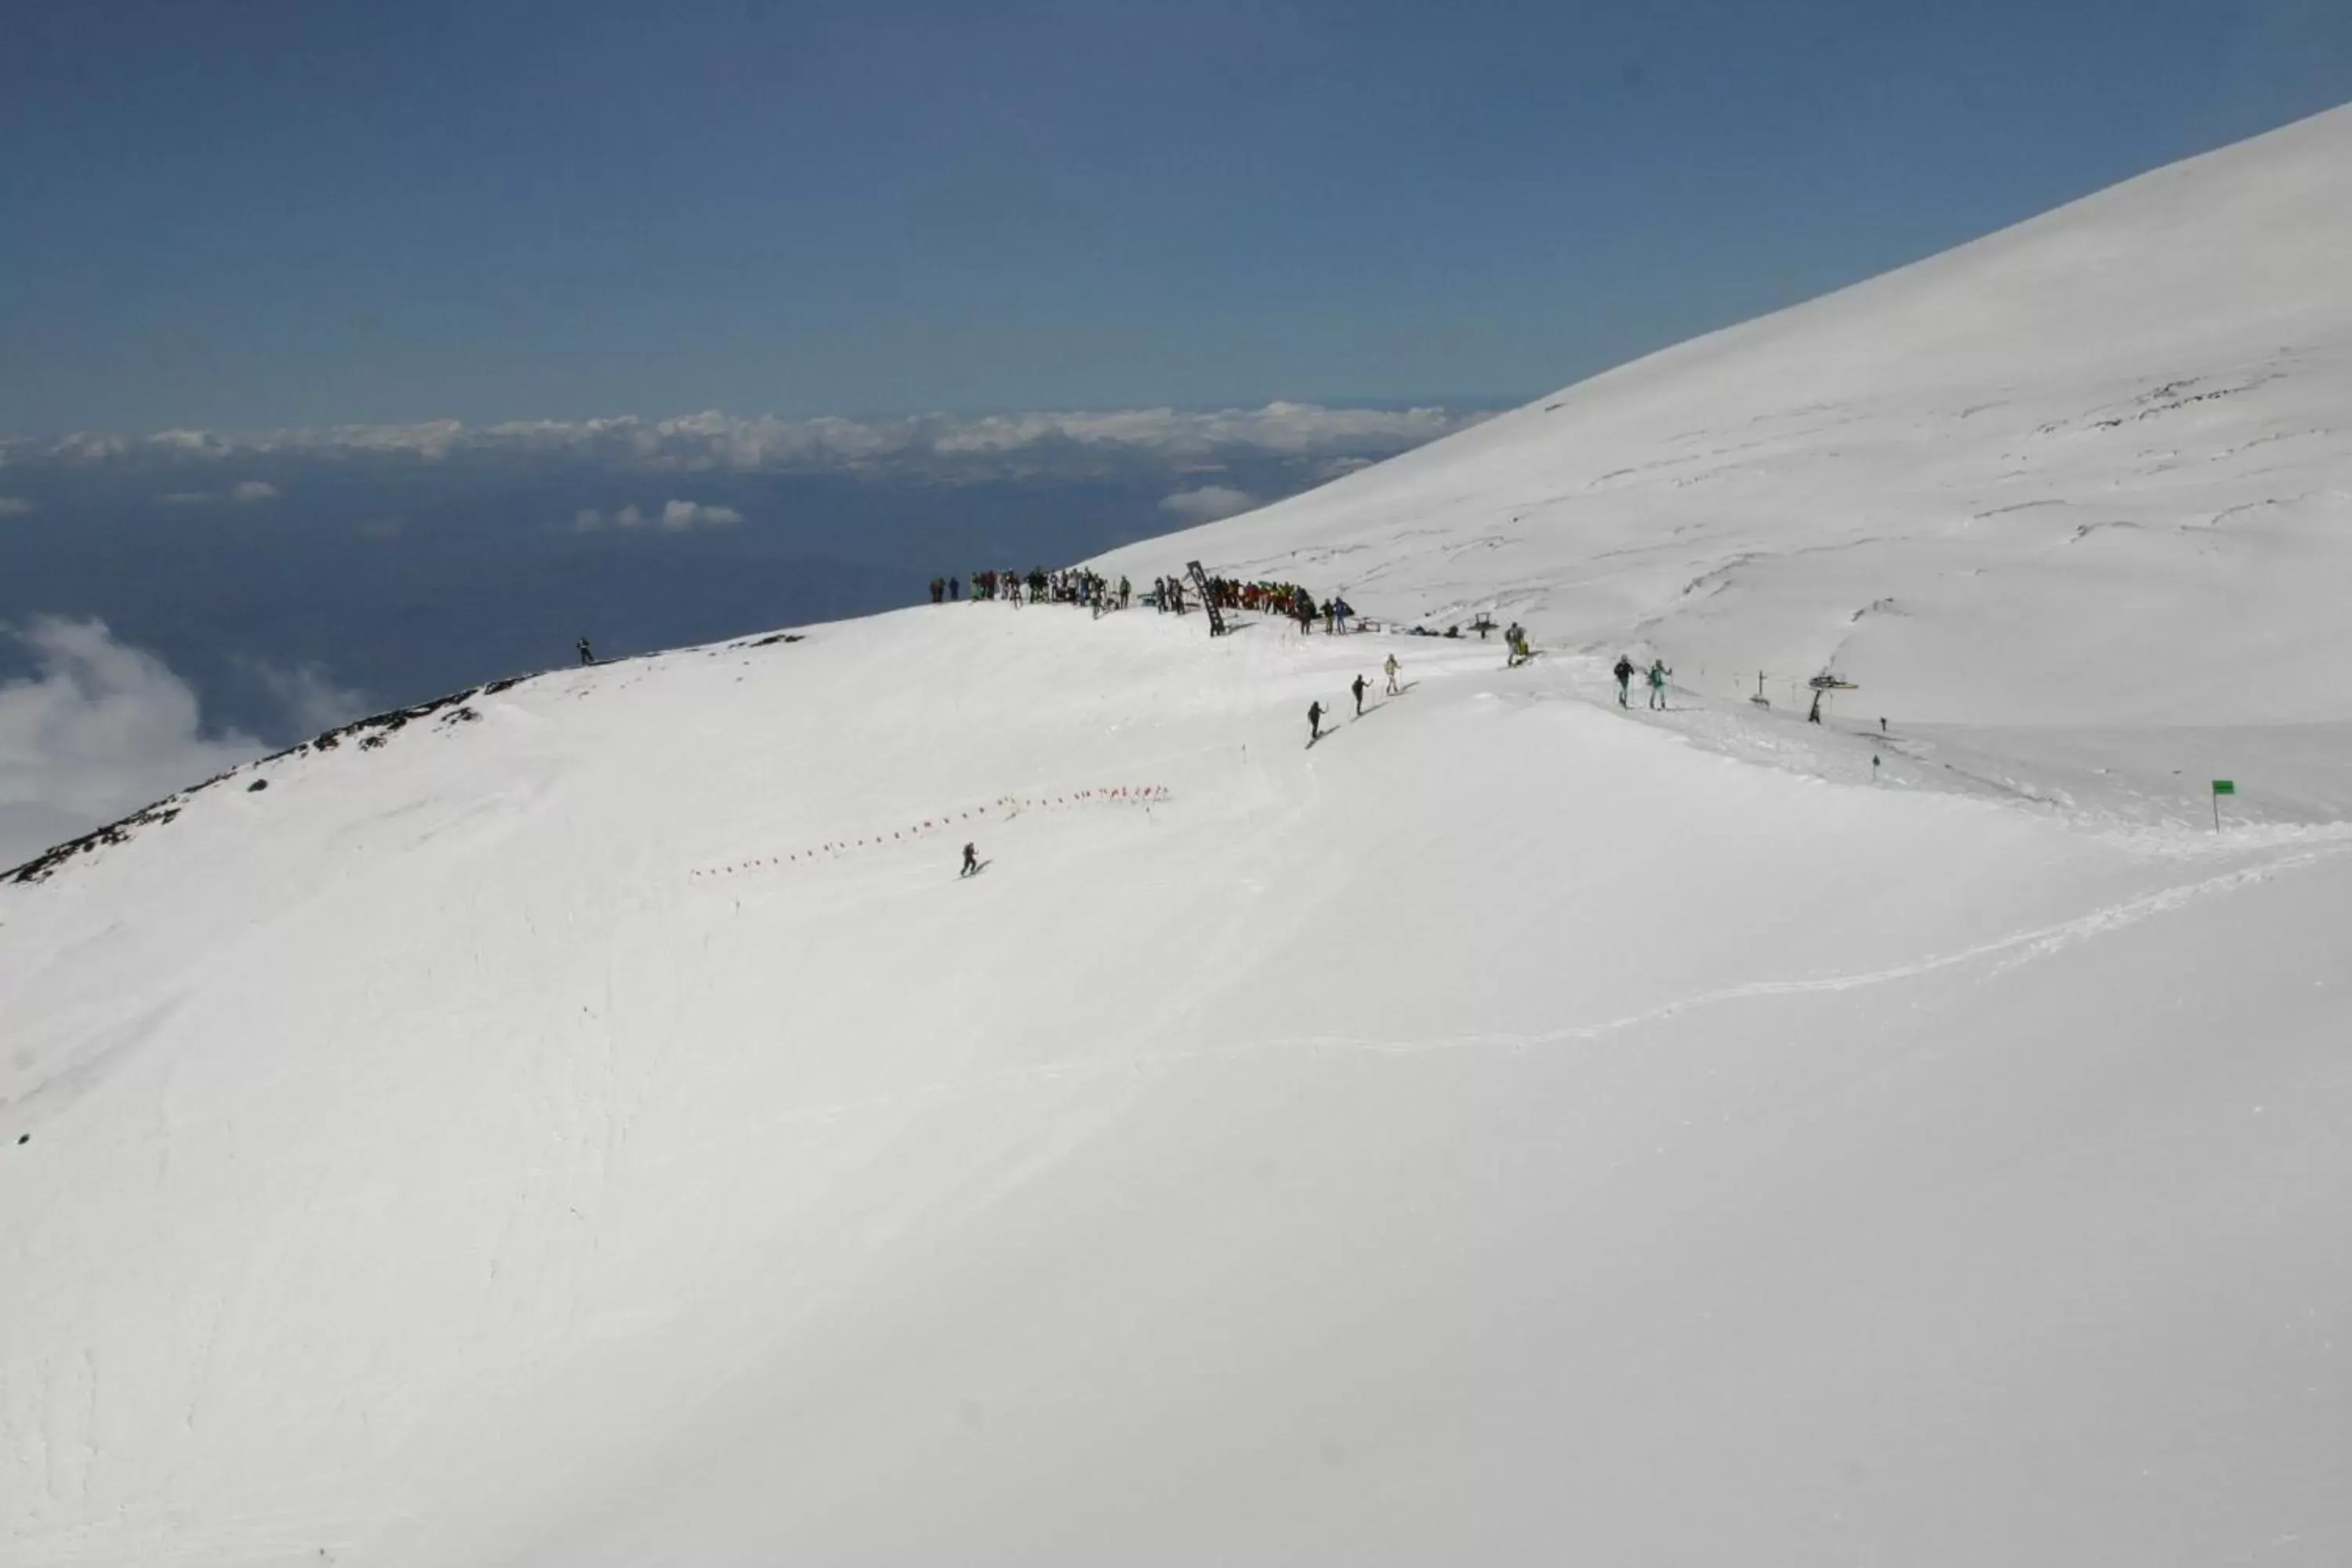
[[277, 213]]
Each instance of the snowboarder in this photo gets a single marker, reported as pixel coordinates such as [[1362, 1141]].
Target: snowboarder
[[970, 862], [1658, 673], [1391, 667], [1314, 721], [1624, 673], [586, 657], [1359, 689]]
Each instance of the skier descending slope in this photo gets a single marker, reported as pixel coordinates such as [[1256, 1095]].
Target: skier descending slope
[[1658, 673], [1624, 673], [1391, 667], [1314, 721], [970, 862], [1358, 688]]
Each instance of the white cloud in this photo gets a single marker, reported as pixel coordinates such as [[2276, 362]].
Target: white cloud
[[309, 698], [90, 448], [16, 506], [1208, 503], [99, 730], [242, 492], [712, 439], [675, 517], [193, 443], [678, 515]]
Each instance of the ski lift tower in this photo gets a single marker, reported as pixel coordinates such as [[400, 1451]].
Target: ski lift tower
[[1823, 684], [1208, 600]]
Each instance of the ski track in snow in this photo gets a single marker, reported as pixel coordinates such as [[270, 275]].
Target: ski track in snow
[[995, 813], [2016, 950]]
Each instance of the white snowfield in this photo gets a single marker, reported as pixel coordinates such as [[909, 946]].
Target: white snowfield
[[2096, 468], [605, 1130]]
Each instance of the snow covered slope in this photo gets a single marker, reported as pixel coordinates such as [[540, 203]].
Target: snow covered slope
[[595, 1126], [2095, 468]]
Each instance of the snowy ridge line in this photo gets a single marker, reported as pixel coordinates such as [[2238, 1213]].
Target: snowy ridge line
[[371, 731], [2020, 949], [1003, 809]]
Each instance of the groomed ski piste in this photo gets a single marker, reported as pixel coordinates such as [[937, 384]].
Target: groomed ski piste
[[1517, 1129]]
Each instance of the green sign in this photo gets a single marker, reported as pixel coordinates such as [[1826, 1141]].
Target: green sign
[[2225, 786]]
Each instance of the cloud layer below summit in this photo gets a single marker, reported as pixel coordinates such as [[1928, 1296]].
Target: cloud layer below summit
[[714, 440]]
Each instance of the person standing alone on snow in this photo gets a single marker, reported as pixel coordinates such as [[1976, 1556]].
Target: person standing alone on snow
[[1658, 673], [1391, 667], [970, 861], [1359, 689], [1314, 721], [1624, 673]]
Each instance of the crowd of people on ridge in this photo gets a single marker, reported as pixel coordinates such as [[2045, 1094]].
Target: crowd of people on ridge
[[1287, 600], [1169, 595], [1089, 590]]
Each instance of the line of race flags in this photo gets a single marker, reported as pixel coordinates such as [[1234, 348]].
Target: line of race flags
[[1003, 808]]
